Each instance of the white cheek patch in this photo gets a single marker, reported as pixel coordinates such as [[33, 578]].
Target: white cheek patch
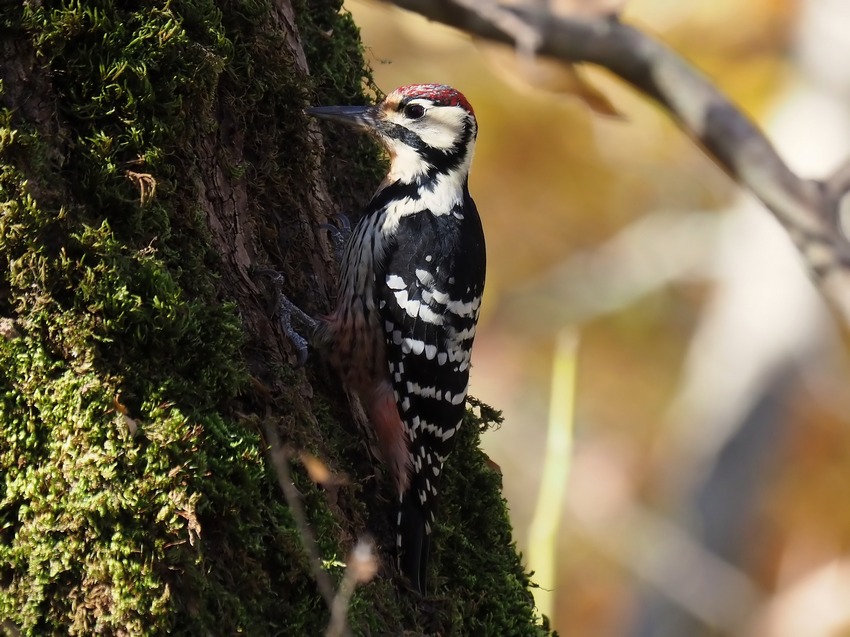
[[407, 164], [441, 127]]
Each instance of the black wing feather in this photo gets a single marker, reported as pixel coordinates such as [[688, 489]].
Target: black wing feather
[[429, 292]]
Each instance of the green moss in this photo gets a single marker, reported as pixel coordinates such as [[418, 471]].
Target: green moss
[[486, 592], [136, 498], [120, 328], [351, 159]]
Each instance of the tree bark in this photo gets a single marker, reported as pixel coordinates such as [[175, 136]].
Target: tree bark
[[151, 158]]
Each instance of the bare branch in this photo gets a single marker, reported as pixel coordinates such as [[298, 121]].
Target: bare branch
[[525, 36], [807, 209], [280, 462], [838, 183], [361, 568], [837, 188], [362, 563]]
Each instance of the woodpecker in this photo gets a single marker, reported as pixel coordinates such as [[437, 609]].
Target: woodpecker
[[411, 281]]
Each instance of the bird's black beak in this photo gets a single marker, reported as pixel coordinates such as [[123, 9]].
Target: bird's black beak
[[361, 116]]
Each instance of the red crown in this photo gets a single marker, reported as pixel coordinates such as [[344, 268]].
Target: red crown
[[440, 94]]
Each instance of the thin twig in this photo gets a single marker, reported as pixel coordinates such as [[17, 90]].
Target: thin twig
[[361, 568], [280, 462]]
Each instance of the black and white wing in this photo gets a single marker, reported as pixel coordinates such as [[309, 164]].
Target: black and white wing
[[429, 303]]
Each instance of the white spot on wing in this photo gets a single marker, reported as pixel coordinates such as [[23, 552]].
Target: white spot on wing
[[412, 345], [411, 306], [395, 282], [430, 316], [425, 277]]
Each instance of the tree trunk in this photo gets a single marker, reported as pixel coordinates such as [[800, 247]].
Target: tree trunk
[[152, 155]]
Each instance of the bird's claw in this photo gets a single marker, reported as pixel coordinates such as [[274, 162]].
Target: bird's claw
[[288, 313], [286, 310], [340, 232]]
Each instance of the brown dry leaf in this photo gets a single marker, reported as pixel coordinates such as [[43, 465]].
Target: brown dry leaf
[[132, 423], [145, 182], [318, 471], [363, 563], [187, 510]]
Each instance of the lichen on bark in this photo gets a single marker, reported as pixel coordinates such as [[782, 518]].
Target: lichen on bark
[[151, 155]]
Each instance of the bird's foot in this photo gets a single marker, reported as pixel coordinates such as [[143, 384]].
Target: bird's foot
[[288, 313], [340, 232]]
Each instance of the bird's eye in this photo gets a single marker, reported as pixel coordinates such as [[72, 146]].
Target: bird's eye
[[414, 111]]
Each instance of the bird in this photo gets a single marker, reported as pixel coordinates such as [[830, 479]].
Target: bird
[[412, 277]]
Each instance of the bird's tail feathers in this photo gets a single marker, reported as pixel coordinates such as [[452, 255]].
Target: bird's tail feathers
[[413, 541]]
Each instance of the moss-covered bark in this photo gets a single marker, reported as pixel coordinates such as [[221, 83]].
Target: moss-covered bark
[[151, 154]]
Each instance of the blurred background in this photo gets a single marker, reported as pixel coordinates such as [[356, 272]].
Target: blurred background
[[649, 325]]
